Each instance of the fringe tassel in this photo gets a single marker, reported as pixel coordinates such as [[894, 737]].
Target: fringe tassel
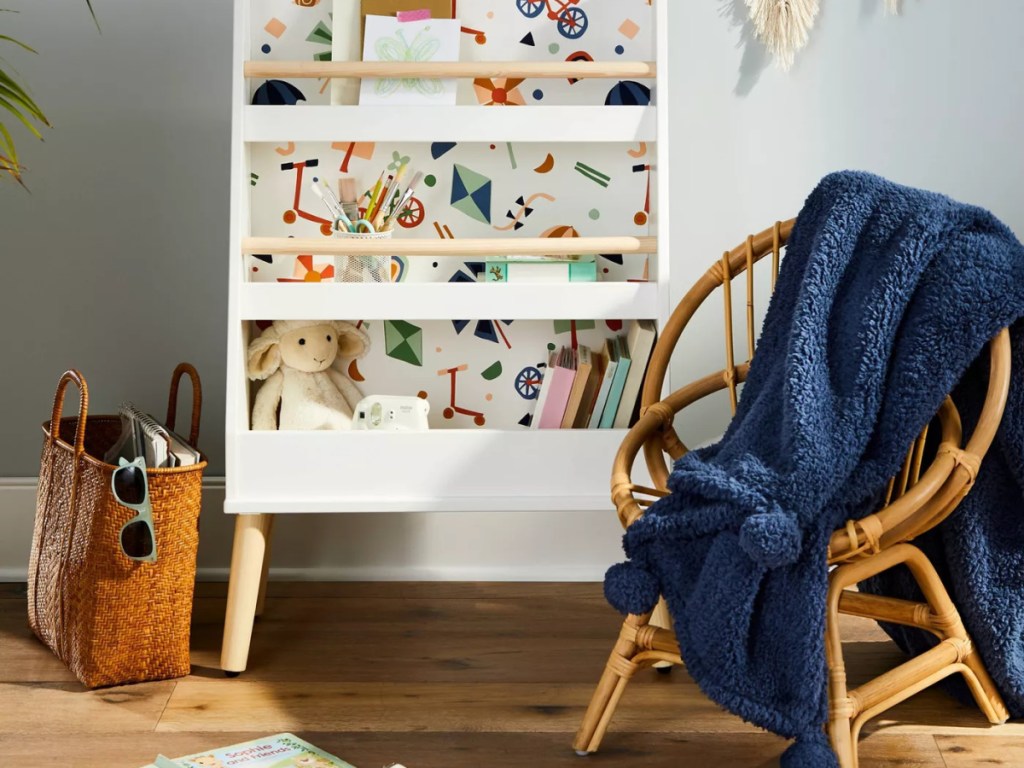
[[784, 25]]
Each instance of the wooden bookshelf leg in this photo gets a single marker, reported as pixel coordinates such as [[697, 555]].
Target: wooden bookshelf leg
[[247, 558], [261, 599]]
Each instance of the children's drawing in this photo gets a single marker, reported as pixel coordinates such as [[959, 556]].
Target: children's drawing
[[390, 40]]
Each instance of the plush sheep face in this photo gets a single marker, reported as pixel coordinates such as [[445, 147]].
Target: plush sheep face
[[311, 349]]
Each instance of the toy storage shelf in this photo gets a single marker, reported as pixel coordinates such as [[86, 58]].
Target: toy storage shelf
[[469, 470], [464, 467], [467, 124], [434, 301]]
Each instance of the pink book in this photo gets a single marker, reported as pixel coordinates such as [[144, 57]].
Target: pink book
[[562, 376]]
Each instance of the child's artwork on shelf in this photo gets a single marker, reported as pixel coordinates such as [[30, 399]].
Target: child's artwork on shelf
[[489, 30], [389, 40]]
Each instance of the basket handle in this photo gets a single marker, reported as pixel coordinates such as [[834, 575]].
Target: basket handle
[[69, 377], [197, 400]]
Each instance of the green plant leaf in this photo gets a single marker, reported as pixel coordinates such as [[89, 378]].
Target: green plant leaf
[[17, 42], [21, 117], [94, 19], [9, 157], [18, 96], [16, 100]]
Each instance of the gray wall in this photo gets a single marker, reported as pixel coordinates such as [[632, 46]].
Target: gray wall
[[116, 261]]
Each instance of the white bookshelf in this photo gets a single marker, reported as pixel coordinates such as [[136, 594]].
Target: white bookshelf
[[269, 473]]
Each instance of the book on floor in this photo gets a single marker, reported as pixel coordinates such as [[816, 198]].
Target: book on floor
[[611, 356], [283, 750], [640, 342]]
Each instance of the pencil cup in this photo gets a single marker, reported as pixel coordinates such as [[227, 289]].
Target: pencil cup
[[363, 269]]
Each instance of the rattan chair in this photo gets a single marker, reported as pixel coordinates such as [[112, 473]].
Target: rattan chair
[[919, 498]]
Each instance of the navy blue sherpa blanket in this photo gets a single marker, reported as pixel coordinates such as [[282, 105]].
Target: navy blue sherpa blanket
[[886, 296]]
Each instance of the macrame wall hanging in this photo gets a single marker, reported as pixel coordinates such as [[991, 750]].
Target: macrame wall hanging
[[784, 25]]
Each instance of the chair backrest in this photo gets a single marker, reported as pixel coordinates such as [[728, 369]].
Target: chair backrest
[[918, 497]]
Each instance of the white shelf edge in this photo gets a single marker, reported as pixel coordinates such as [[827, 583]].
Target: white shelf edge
[[294, 505], [574, 124], [438, 301]]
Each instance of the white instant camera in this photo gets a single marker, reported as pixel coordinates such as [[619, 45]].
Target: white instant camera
[[391, 413]]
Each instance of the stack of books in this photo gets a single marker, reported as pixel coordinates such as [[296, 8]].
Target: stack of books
[[587, 389]]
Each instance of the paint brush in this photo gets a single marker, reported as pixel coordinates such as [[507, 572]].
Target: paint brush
[[404, 201]]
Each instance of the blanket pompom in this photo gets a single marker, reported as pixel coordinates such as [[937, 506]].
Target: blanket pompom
[[772, 539], [811, 751], [631, 589]]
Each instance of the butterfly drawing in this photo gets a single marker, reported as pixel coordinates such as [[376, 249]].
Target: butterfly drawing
[[397, 48]]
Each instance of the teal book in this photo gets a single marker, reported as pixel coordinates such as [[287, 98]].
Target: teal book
[[611, 356], [611, 407], [284, 750]]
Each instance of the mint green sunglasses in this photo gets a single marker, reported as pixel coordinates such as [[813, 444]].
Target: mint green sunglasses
[[131, 489]]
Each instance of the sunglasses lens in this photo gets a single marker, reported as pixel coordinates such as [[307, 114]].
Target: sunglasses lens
[[137, 540], [130, 485]]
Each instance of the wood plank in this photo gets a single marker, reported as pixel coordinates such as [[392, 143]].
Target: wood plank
[[670, 704], [976, 751], [435, 675], [471, 750], [49, 710]]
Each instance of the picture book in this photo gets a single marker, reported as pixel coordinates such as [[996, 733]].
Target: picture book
[[544, 391], [388, 39], [284, 750], [640, 342], [541, 270], [611, 408], [584, 367], [599, 362], [558, 389], [611, 355]]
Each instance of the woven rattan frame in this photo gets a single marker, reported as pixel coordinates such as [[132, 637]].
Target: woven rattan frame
[[918, 499], [112, 620]]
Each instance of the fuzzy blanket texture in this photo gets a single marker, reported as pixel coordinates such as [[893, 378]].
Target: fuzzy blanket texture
[[885, 303]]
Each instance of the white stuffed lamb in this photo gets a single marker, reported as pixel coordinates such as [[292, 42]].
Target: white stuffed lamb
[[301, 363]]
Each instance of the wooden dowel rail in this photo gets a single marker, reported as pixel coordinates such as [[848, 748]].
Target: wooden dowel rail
[[461, 69], [495, 246]]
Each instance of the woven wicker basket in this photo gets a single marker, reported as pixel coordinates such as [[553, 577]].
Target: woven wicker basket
[[110, 619]]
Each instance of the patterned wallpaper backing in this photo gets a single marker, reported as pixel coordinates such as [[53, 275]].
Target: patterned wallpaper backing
[[486, 367]]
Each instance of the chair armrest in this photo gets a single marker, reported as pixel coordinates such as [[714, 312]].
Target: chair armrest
[[647, 432]]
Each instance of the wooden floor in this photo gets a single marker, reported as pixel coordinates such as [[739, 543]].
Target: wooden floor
[[433, 676]]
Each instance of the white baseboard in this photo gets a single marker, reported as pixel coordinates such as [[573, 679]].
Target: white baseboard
[[431, 546]]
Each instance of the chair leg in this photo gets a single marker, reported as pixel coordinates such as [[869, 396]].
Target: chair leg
[[617, 672], [663, 619], [840, 706], [937, 614], [247, 558], [946, 619]]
